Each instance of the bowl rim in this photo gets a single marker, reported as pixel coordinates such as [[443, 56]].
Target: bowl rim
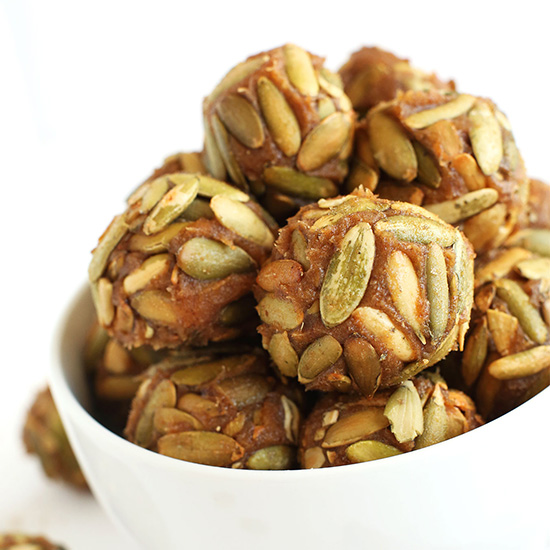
[[71, 408]]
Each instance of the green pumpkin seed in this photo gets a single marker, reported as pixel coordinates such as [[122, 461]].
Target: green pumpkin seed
[[324, 142], [534, 240], [172, 204], [347, 275], [156, 306], [289, 181], [241, 219], [475, 353], [158, 242], [437, 289], [283, 354], [354, 427], [112, 236], [317, 357], [404, 412], [428, 172], [363, 364], [207, 259], [209, 187], [279, 313], [417, 230], [452, 109], [299, 69], [276, 457], [365, 451], [486, 137], [279, 117], [436, 420], [456, 210], [213, 158], [391, 148], [242, 120], [522, 364], [224, 149]]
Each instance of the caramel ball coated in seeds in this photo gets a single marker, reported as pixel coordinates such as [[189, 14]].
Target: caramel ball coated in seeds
[[452, 153], [18, 541], [178, 266], [280, 123], [372, 75], [229, 412], [347, 429], [362, 293], [507, 354], [44, 436]]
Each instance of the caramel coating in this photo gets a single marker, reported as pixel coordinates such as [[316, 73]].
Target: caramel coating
[[228, 411], [178, 266], [506, 360], [346, 429], [538, 207], [362, 293], [281, 124], [451, 153], [44, 436], [372, 75]]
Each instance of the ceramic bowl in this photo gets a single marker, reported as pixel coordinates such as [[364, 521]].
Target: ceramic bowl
[[485, 489]]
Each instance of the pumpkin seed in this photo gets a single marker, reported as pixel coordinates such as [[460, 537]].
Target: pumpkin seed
[[354, 427], [469, 169], [242, 120], [475, 353], [236, 75], [501, 266], [349, 206], [325, 107], [210, 187], [280, 313], [283, 354], [112, 236], [391, 148], [404, 412], [299, 248], [520, 306], [154, 192], [198, 406], [456, 210], [214, 449], [314, 457], [437, 288], [347, 275], [458, 106], [503, 329], [382, 328], [241, 219], [428, 172], [318, 356], [158, 242], [291, 420], [486, 137], [104, 302], [156, 306], [167, 419], [276, 457], [365, 451], [405, 290], [522, 364], [195, 375], [289, 181], [164, 395], [207, 259], [170, 206], [417, 230], [299, 69], [279, 117], [363, 364], [152, 267], [436, 421], [534, 269], [324, 142], [534, 240], [224, 149], [213, 156], [244, 390]]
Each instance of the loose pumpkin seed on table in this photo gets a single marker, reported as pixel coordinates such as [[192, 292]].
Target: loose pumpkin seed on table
[[20, 541], [177, 267], [281, 125], [450, 152], [44, 436], [347, 429], [506, 359], [226, 411], [375, 292], [372, 75]]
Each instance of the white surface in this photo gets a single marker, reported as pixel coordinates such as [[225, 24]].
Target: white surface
[[92, 97]]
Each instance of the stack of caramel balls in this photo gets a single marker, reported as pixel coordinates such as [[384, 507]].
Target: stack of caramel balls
[[288, 296]]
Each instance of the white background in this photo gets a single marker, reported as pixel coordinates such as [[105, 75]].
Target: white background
[[93, 95]]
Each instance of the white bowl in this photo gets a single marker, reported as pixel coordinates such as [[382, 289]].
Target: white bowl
[[487, 489]]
